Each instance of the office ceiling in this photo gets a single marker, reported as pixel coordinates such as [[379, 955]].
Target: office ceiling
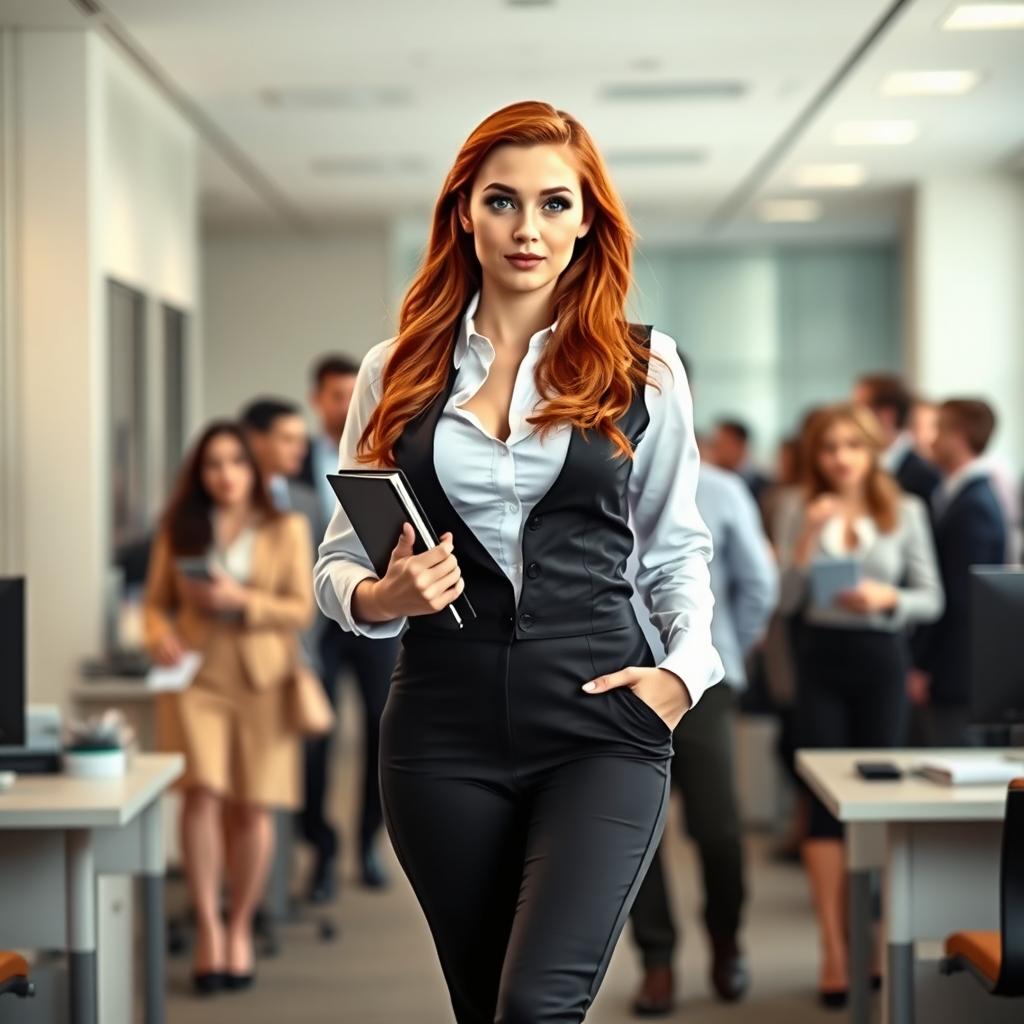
[[317, 111]]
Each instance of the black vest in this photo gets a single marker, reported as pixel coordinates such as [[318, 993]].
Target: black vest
[[576, 539]]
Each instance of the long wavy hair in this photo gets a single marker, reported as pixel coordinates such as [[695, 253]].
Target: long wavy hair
[[588, 372], [881, 492]]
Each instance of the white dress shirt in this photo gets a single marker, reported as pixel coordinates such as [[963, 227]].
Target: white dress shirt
[[494, 484]]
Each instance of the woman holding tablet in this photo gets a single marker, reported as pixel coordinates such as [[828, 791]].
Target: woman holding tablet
[[852, 658], [525, 756]]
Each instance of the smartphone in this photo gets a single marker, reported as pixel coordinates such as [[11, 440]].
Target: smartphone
[[195, 569], [878, 771]]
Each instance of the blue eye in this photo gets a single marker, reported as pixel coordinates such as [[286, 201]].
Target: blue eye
[[563, 204], [498, 199]]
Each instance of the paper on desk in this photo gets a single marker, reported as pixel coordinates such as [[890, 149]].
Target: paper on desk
[[174, 677], [970, 770]]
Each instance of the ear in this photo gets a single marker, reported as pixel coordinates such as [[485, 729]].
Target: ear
[[463, 211], [585, 226]]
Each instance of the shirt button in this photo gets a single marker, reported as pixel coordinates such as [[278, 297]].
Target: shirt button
[[513, 506], [533, 570], [525, 620], [534, 522], [503, 451]]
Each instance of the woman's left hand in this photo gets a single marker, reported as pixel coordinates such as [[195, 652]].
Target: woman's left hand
[[662, 690], [867, 597], [223, 594]]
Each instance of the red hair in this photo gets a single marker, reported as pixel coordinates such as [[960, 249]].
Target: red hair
[[588, 373]]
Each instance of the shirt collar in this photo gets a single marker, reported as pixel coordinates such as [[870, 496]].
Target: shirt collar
[[468, 335], [956, 482], [892, 458]]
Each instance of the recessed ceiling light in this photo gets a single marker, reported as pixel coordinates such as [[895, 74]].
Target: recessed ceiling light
[[874, 133], [788, 211], [830, 175], [355, 97], [979, 17], [681, 89], [929, 83]]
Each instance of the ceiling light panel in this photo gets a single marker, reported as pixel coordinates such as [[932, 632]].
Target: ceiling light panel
[[789, 211], [930, 83], [985, 17], [830, 175], [875, 133]]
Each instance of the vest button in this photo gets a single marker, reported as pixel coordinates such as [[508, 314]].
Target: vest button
[[534, 522], [533, 570], [525, 620]]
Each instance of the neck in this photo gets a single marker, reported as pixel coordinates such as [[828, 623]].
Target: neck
[[509, 318], [961, 461]]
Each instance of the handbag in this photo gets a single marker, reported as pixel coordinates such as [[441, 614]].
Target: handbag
[[311, 711]]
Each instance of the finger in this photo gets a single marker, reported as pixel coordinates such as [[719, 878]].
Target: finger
[[435, 557], [449, 579], [406, 540], [612, 679]]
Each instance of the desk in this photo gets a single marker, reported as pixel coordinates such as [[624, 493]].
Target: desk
[[61, 833], [938, 848]]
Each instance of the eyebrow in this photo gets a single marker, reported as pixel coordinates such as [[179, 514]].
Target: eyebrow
[[544, 192]]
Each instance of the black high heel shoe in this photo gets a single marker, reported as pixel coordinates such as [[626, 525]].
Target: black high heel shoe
[[835, 1000], [208, 983], [238, 982]]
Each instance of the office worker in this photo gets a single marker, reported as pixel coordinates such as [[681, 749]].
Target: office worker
[[525, 758], [889, 399], [744, 581], [970, 529], [232, 723], [852, 657], [370, 659], [730, 449]]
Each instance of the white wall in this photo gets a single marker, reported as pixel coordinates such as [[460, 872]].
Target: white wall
[[966, 264], [94, 152], [273, 303]]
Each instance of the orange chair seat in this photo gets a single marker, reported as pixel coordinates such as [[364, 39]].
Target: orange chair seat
[[983, 950], [12, 965]]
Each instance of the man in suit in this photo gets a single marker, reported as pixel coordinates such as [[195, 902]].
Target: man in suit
[[371, 661], [887, 397], [969, 530], [729, 449], [744, 581]]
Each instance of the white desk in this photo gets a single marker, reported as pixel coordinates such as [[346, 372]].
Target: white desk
[[938, 848], [59, 835]]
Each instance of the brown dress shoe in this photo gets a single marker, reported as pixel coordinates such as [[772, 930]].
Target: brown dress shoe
[[730, 974], [655, 996]]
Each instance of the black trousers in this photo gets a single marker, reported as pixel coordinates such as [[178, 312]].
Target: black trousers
[[372, 662], [524, 812], [702, 769], [851, 692]]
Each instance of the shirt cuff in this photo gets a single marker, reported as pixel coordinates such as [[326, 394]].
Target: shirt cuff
[[698, 667], [373, 630]]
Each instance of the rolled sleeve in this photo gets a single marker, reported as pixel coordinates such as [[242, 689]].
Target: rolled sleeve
[[673, 543], [342, 563]]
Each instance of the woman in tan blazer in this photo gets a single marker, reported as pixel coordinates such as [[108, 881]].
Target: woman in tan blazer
[[232, 723]]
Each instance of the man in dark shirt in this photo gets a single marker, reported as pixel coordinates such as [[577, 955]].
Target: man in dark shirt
[[970, 529], [889, 399]]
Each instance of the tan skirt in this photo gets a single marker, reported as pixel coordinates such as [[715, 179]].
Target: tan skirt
[[237, 741]]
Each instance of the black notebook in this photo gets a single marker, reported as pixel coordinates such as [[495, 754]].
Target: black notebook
[[377, 502]]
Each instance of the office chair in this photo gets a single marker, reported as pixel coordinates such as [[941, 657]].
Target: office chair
[[14, 978], [996, 959]]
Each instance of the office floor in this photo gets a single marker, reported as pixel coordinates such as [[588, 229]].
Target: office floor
[[381, 969]]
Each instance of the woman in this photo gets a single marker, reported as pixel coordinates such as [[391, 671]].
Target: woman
[[852, 658], [525, 757], [232, 723]]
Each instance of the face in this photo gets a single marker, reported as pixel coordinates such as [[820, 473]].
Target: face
[[331, 401], [845, 458], [949, 448], [525, 200], [924, 427], [727, 449], [225, 472], [281, 449]]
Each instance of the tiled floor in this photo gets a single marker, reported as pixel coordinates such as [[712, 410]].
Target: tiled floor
[[382, 968]]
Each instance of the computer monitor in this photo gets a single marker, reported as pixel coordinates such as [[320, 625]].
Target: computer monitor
[[12, 662], [997, 645]]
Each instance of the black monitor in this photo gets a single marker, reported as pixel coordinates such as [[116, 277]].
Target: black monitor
[[997, 644], [12, 662]]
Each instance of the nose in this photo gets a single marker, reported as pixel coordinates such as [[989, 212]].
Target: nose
[[526, 226]]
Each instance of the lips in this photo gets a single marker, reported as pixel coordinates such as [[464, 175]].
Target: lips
[[524, 261]]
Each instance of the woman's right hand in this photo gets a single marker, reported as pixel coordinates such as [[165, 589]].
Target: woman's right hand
[[168, 649], [821, 510], [418, 584]]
